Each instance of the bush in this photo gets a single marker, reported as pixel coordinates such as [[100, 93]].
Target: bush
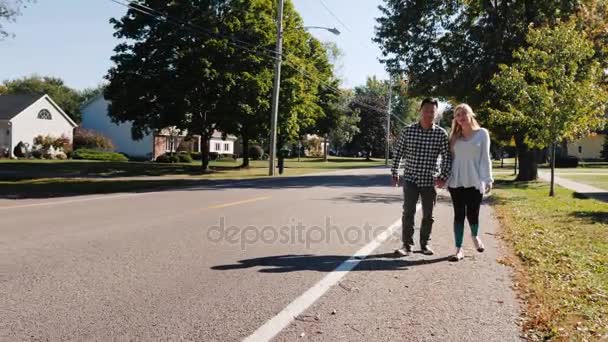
[[256, 152], [184, 158], [569, 161], [196, 155], [37, 154], [46, 142], [61, 156], [91, 154], [89, 139], [167, 158]]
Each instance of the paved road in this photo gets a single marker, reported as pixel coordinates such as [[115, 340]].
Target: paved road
[[158, 266]]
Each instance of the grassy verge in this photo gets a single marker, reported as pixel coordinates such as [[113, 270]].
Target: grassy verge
[[13, 170], [43, 179], [561, 248]]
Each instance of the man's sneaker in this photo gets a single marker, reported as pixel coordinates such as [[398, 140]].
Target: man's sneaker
[[426, 250], [403, 251]]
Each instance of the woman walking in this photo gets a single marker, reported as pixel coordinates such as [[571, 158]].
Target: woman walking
[[471, 174]]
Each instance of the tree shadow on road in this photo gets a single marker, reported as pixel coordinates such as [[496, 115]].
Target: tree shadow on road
[[591, 216], [369, 198], [327, 263], [66, 188], [600, 196]]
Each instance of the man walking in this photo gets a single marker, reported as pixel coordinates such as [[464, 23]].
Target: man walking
[[420, 145]]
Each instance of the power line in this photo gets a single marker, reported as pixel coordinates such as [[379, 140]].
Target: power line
[[346, 27], [335, 16], [143, 9]]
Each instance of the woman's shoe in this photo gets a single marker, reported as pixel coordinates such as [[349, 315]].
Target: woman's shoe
[[458, 256], [478, 244]]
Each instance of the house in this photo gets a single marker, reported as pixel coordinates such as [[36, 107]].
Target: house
[[95, 116], [589, 147], [26, 116]]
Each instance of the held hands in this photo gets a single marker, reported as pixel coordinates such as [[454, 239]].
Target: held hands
[[488, 188], [395, 181], [440, 183]]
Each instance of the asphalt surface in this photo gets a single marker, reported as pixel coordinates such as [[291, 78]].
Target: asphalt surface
[[214, 263]]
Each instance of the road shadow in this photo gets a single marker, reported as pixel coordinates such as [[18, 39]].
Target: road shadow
[[591, 216], [25, 170], [369, 198], [54, 188], [599, 196], [326, 263]]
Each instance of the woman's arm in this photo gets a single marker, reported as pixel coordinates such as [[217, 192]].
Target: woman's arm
[[485, 166]]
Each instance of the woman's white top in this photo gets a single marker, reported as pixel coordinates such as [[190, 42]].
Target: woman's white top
[[471, 165]]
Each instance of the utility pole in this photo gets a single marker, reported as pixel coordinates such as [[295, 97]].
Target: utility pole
[[388, 119], [275, 92]]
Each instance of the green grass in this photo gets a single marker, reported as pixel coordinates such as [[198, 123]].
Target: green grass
[[599, 181], [561, 245], [34, 169]]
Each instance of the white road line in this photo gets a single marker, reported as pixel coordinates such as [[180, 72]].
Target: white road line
[[279, 322]]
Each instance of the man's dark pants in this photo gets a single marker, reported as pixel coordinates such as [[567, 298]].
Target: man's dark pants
[[411, 193]]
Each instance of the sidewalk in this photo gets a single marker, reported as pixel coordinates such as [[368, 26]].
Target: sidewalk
[[420, 298], [580, 188]]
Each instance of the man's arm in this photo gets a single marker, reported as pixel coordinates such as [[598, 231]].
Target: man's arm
[[398, 152], [446, 159]]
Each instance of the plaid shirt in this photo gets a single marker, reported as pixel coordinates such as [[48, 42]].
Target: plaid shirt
[[421, 149]]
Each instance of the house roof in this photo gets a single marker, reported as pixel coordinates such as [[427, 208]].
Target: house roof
[[13, 104]]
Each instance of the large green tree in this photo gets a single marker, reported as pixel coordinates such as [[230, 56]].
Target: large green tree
[[371, 102], [552, 91], [207, 65], [173, 70], [67, 98], [452, 49]]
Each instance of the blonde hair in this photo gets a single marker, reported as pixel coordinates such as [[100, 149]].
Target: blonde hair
[[456, 131]]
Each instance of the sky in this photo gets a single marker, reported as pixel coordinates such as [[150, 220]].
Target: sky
[[73, 39]]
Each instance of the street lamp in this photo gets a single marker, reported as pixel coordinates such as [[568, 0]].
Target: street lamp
[[277, 86], [330, 29]]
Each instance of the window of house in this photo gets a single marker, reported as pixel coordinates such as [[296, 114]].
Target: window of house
[[226, 147], [45, 115], [168, 145], [218, 147], [580, 149]]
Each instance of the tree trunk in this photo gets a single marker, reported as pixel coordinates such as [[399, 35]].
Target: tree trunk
[[552, 191], [245, 152], [528, 166], [325, 148], [564, 149], [205, 154]]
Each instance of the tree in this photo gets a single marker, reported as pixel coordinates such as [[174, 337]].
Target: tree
[[371, 101], [168, 72], [67, 98], [89, 93], [9, 10], [552, 91], [210, 66], [452, 48]]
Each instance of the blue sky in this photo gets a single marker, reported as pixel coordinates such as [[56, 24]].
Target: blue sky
[[72, 39]]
